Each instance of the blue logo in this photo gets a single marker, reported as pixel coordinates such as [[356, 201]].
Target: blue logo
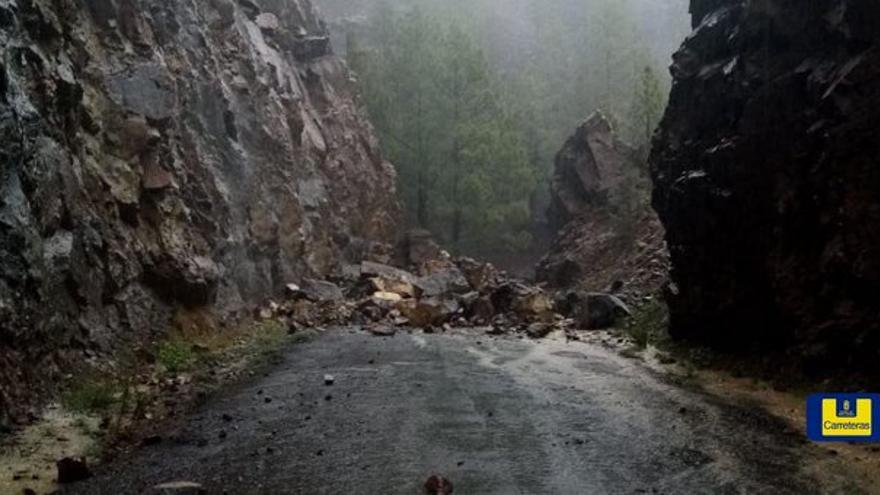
[[843, 417]]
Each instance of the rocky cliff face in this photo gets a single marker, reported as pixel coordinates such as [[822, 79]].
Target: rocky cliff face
[[767, 178], [158, 155], [607, 237]]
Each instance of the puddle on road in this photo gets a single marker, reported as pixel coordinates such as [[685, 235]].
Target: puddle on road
[[839, 468]]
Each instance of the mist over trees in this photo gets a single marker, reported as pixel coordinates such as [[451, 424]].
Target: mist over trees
[[473, 98]]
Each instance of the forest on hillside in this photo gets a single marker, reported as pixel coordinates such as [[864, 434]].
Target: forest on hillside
[[472, 104]]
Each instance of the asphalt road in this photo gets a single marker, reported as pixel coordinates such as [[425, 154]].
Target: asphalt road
[[494, 416]]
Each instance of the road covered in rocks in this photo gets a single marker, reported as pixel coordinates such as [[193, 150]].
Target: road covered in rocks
[[351, 412]]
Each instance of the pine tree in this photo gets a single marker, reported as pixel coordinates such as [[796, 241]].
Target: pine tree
[[647, 107]]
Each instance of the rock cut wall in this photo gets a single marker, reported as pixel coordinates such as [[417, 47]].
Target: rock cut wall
[[767, 179], [166, 154]]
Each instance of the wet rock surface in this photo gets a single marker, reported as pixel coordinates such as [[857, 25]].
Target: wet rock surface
[[766, 178], [160, 155], [493, 415]]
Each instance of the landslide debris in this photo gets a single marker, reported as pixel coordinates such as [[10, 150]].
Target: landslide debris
[[438, 294]]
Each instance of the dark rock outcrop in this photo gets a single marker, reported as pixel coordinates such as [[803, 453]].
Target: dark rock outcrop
[[158, 154], [767, 179]]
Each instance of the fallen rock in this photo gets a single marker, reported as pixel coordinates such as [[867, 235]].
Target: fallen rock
[[179, 488], [442, 278], [386, 278], [72, 470], [479, 275], [321, 291], [438, 485], [593, 311], [481, 310], [304, 312], [370, 312], [329, 380], [418, 246], [536, 305], [505, 295], [386, 298], [429, 311], [373, 269], [383, 330], [539, 330], [401, 288], [590, 171]]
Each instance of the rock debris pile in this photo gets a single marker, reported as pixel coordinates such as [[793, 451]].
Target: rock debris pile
[[438, 294]]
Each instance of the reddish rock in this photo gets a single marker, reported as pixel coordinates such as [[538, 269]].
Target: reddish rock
[[438, 485]]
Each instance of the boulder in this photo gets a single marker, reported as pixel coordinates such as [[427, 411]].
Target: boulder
[[429, 311], [389, 298], [593, 311], [72, 470], [379, 305], [590, 171], [479, 275], [535, 305], [400, 288], [384, 278], [382, 330], [418, 247], [308, 48], [442, 278], [321, 291], [438, 485], [539, 330], [304, 311], [481, 310], [505, 295]]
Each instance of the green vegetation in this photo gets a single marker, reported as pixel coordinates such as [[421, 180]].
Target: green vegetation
[[472, 111], [176, 356], [647, 108], [128, 395], [268, 339], [462, 160], [92, 396], [648, 325]]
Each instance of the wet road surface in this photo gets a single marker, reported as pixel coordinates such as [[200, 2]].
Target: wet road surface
[[495, 416]]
